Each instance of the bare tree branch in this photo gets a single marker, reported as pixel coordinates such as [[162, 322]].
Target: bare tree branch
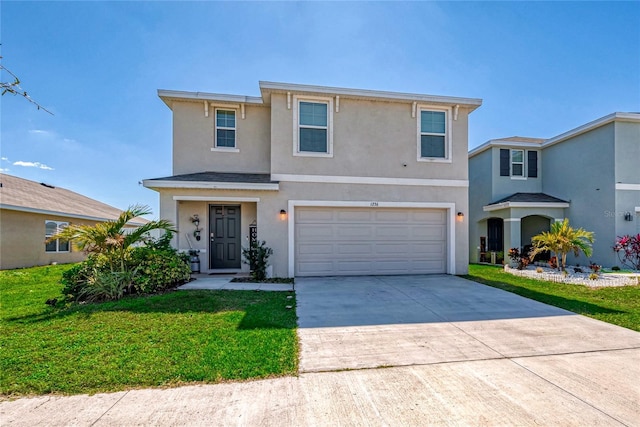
[[13, 87]]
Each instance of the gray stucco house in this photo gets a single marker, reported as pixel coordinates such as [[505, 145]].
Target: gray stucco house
[[590, 174], [337, 181]]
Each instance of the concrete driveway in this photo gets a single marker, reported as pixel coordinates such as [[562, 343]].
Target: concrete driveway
[[454, 353], [369, 322]]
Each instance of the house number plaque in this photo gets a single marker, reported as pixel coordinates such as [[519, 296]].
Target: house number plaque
[[373, 204]]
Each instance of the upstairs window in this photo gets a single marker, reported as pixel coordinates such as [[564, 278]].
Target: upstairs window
[[313, 133], [433, 141], [313, 127], [512, 163], [517, 163], [52, 228], [225, 128]]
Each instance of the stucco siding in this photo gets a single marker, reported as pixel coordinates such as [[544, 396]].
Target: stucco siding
[[480, 184], [503, 186], [193, 140], [22, 237], [582, 171], [370, 139], [627, 152]]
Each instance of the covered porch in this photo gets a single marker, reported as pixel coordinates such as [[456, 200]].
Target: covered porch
[[216, 215], [513, 221]]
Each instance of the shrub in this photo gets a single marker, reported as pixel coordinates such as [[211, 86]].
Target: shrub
[[615, 268], [553, 262], [149, 269], [593, 276], [78, 276], [158, 270], [257, 256], [520, 258], [107, 285], [595, 267], [539, 270], [628, 250]]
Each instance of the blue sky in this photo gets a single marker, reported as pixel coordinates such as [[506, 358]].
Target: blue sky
[[541, 68]]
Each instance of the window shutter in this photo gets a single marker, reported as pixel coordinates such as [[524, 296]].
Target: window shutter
[[504, 162], [532, 164]]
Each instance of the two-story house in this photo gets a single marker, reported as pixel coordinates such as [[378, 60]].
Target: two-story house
[[590, 174], [336, 181]]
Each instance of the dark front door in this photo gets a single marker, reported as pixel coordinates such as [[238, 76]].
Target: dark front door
[[224, 236], [495, 233]]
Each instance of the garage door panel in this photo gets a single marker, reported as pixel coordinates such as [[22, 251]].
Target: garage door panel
[[354, 241], [392, 216], [391, 232], [357, 216], [315, 231], [355, 249], [312, 249], [322, 216], [430, 232], [429, 216]]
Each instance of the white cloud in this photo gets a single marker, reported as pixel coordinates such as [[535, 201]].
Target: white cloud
[[41, 132], [32, 165], [5, 159], [4, 169]]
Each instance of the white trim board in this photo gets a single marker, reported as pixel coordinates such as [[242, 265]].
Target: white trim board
[[451, 229], [333, 179], [215, 199], [537, 205], [632, 187], [212, 185]]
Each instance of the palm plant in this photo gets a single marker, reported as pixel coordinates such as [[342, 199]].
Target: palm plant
[[563, 239], [112, 238]]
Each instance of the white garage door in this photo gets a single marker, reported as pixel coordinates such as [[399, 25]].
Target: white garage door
[[369, 241]]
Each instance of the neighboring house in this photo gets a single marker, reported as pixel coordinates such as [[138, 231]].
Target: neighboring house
[[336, 181], [590, 174], [31, 212]]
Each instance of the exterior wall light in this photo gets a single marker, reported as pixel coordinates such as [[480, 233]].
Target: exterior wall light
[[460, 217], [628, 216], [283, 215]]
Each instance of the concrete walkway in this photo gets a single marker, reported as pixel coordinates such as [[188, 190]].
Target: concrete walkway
[[223, 282], [458, 353]]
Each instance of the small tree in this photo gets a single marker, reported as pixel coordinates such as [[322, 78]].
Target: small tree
[[563, 239]]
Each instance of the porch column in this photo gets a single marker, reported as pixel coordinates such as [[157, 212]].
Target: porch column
[[512, 237]]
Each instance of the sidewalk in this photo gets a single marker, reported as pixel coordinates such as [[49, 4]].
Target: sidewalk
[[223, 282]]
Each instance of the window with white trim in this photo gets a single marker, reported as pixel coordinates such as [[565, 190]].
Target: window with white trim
[[433, 143], [517, 163], [51, 228], [225, 132], [313, 127]]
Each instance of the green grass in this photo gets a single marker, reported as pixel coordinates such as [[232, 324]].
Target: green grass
[[175, 338], [616, 305]]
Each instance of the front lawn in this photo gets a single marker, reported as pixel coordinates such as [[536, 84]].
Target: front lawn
[[175, 338], [616, 305]]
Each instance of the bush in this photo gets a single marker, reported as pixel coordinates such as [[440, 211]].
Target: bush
[[158, 270], [257, 256], [78, 276], [149, 269], [107, 285]]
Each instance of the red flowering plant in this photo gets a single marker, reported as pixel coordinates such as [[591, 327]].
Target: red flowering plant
[[628, 250]]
